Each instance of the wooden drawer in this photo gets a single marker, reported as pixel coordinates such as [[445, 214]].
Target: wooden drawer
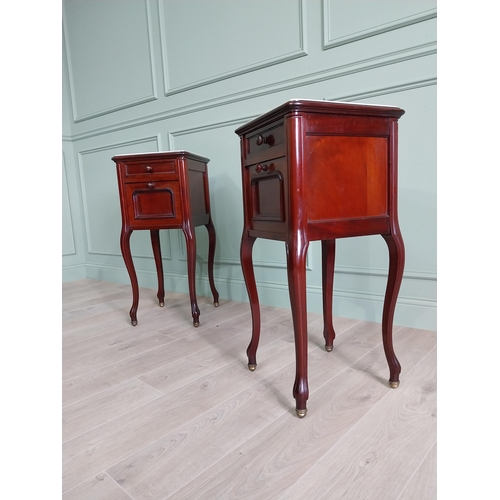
[[153, 204], [148, 168], [265, 143]]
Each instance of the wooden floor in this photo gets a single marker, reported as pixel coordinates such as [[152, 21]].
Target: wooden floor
[[166, 410]]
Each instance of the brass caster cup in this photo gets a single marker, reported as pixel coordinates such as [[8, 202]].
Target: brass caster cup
[[328, 348], [134, 323], [394, 385], [301, 413], [196, 324], [252, 367], [162, 304], [216, 304]]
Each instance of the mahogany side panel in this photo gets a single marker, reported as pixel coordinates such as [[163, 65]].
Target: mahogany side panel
[[346, 177]]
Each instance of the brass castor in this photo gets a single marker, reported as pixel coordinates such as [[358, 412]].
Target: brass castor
[[134, 323], [196, 324], [394, 385], [216, 304], [162, 304], [301, 413], [328, 348], [252, 367]]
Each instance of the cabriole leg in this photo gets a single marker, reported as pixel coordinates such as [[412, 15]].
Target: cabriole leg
[[155, 243], [296, 250], [191, 269], [129, 264], [249, 276], [328, 265], [396, 267], [211, 257]]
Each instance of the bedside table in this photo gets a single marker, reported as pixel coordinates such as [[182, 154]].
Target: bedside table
[[320, 170], [166, 190]]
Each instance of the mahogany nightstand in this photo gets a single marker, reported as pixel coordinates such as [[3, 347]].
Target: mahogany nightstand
[[166, 190], [320, 170]]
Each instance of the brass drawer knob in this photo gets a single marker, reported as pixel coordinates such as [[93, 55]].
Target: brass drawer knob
[[151, 185], [149, 169]]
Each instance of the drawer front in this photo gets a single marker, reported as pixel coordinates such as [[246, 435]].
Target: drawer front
[[144, 168], [153, 204], [266, 143], [267, 195]]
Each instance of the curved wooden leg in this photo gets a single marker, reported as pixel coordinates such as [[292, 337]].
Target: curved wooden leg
[[396, 267], [191, 269], [328, 261], [155, 243], [211, 257], [129, 264], [249, 277], [296, 249]]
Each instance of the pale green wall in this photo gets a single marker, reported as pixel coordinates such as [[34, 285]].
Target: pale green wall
[[148, 75]]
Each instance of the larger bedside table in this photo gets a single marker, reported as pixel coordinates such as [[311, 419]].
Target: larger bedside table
[[166, 190], [320, 170]]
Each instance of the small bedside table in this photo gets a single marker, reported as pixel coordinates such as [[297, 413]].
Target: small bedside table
[[320, 170], [166, 190]]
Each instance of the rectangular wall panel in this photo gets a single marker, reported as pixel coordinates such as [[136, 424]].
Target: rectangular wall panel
[[371, 18], [109, 52], [203, 42]]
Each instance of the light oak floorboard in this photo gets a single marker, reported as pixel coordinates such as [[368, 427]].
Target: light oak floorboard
[[182, 371], [374, 458], [210, 316], [104, 446], [186, 419], [105, 406], [144, 474], [92, 299], [173, 319], [423, 484], [268, 463], [92, 382], [156, 322], [76, 292], [100, 487], [90, 321], [116, 352]]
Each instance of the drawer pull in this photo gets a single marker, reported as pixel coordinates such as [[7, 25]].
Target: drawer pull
[[265, 140], [149, 169], [151, 185], [264, 168]]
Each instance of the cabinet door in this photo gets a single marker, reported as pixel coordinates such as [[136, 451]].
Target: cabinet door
[[267, 198], [153, 204]]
